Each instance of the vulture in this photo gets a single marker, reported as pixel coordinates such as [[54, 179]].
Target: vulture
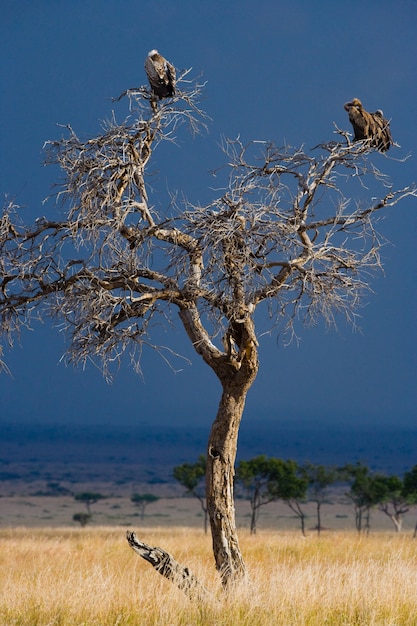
[[161, 76], [371, 126]]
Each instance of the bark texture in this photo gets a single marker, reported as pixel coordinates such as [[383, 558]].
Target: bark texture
[[221, 456], [168, 567], [236, 369]]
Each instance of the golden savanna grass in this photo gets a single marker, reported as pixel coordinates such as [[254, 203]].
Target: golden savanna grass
[[90, 577]]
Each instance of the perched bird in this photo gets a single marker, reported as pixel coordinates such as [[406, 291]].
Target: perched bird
[[161, 76], [369, 126], [384, 133]]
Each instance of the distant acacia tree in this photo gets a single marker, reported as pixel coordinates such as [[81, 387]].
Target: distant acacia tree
[[268, 479], [289, 485], [142, 500], [283, 231], [370, 490], [192, 477], [256, 475], [386, 493], [319, 478], [361, 494], [89, 498], [393, 501]]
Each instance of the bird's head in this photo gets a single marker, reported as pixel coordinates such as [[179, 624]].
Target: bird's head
[[353, 103], [151, 53]]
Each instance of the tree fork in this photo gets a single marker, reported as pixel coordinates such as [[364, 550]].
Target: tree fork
[[221, 455]]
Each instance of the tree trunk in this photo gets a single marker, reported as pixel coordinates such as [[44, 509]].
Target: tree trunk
[[303, 524], [368, 520], [295, 506], [221, 455], [236, 369], [254, 518], [358, 519], [318, 518], [397, 520], [396, 515]]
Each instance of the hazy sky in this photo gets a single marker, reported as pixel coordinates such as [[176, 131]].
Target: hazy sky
[[274, 70]]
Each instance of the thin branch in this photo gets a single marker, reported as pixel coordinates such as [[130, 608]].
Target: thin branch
[[281, 229]]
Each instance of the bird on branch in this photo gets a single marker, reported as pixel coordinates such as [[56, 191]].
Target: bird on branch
[[161, 75], [369, 126]]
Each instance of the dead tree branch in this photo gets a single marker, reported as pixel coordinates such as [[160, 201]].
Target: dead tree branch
[[167, 566]]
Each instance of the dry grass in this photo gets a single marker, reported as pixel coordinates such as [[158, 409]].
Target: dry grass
[[90, 577]]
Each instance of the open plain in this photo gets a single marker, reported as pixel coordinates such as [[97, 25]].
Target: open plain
[[55, 573], [90, 577]]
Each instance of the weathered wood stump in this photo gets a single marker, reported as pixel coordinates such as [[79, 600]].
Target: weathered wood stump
[[168, 567]]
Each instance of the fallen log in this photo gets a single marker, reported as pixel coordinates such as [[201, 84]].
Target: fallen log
[[168, 567]]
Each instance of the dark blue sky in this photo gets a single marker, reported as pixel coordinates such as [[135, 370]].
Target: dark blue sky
[[274, 70]]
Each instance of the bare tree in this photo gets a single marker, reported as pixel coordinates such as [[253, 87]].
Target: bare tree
[[282, 231]]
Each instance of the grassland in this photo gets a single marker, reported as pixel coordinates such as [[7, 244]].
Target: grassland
[[90, 577]]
